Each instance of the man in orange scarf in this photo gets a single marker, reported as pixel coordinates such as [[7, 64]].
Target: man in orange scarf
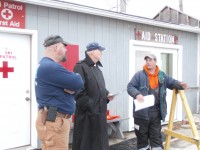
[[151, 80]]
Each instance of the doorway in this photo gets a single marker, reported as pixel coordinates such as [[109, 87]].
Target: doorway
[[17, 62]]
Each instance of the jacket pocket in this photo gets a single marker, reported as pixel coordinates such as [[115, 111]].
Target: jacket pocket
[[144, 90]]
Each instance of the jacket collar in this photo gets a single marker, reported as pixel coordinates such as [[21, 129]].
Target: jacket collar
[[89, 61]]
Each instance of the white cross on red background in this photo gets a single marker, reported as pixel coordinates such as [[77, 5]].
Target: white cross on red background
[[7, 14]]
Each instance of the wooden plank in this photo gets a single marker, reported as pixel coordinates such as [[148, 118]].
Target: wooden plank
[[171, 119], [115, 129], [182, 137], [189, 114], [117, 119]]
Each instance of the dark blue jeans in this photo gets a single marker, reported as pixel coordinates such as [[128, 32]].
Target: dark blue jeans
[[148, 132]]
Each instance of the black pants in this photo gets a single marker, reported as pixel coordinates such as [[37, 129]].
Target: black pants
[[148, 132]]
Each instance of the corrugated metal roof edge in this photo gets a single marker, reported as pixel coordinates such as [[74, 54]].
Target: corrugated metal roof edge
[[110, 14]]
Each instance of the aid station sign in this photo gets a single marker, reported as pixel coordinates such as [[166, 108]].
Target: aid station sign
[[12, 14], [155, 37]]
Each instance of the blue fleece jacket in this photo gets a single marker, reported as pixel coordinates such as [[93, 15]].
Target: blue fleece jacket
[[51, 80]]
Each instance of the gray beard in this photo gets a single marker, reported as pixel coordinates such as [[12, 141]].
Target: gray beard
[[64, 59]]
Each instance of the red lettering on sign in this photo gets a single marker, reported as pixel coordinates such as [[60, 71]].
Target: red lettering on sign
[[5, 69], [138, 35], [175, 39]]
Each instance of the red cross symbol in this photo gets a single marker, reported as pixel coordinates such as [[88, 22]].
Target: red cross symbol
[[175, 39], [7, 14], [5, 69], [138, 35]]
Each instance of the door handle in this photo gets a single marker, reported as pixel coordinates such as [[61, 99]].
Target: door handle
[[27, 99]]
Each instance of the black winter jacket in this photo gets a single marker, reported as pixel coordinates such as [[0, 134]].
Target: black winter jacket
[[90, 126], [139, 85]]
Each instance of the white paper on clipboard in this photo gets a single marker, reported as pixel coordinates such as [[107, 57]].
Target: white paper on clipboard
[[149, 100]]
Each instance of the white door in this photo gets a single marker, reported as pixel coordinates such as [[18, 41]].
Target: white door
[[15, 90], [167, 61]]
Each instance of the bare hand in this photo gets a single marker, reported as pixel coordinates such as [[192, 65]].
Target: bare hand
[[184, 85], [69, 92], [140, 98], [110, 96]]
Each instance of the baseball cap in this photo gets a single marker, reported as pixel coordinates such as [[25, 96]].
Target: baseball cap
[[152, 56], [93, 46], [54, 39]]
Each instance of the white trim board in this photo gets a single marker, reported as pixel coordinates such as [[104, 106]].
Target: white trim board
[[59, 4]]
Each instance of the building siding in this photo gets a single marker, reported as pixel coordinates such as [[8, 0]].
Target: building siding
[[78, 28]]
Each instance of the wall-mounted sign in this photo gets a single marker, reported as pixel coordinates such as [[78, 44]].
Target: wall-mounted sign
[[155, 37], [12, 14]]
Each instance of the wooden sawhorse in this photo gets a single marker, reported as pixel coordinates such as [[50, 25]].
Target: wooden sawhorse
[[194, 140]]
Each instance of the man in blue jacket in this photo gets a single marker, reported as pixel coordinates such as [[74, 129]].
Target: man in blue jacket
[[55, 86], [151, 80]]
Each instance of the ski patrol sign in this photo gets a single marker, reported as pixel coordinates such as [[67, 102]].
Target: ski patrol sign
[[12, 14]]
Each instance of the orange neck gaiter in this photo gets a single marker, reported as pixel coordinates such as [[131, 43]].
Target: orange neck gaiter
[[153, 78]]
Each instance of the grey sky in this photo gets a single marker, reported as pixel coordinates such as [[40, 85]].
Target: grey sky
[[144, 8]]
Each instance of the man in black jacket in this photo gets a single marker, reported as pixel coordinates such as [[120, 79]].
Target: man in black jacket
[[90, 130], [151, 80]]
